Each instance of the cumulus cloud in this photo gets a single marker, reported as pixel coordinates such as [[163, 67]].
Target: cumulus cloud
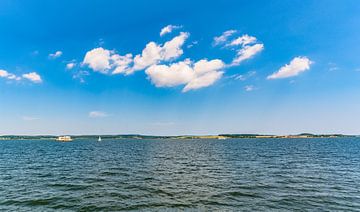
[[193, 75], [162, 67], [168, 29], [70, 65], [294, 68], [55, 55], [203, 80], [122, 63], [154, 53], [33, 76], [173, 48], [170, 76], [98, 59], [103, 60], [97, 114], [150, 55], [5, 74], [224, 37]]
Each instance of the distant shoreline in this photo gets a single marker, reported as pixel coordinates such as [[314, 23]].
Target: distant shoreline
[[134, 136]]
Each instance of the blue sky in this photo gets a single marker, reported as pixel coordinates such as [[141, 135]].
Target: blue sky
[[90, 67]]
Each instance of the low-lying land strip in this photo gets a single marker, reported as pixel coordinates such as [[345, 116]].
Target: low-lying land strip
[[220, 136]]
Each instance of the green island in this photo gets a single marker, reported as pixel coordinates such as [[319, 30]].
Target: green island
[[138, 136]]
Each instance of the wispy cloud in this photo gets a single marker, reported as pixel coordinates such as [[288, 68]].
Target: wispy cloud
[[29, 118], [34, 53], [243, 77], [246, 53], [163, 124], [55, 55], [242, 41], [333, 67], [80, 75], [223, 37], [249, 88], [168, 29], [70, 65], [98, 114], [246, 46]]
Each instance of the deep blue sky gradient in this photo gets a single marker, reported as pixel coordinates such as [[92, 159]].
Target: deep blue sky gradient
[[324, 99]]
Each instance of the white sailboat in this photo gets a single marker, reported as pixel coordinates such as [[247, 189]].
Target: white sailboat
[[99, 138]]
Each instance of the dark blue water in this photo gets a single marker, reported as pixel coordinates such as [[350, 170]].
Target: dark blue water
[[234, 174]]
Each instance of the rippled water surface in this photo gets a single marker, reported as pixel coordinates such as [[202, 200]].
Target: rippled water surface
[[233, 174]]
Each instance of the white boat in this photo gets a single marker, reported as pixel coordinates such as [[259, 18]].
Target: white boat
[[64, 138], [99, 138]]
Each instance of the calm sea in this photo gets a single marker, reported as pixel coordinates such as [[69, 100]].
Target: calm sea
[[170, 175]]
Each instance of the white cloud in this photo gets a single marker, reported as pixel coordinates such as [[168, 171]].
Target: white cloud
[[193, 75], [159, 60], [192, 44], [246, 46], [223, 38], [122, 63], [154, 53], [246, 53], [7, 75], [243, 77], [29, 118], [168, 29], [172, 49], [150, 55], [98, 59], [33, 76], [249, 88], [70, 65], [243, 40], [97, 114], [14, 77], [80, 75], [103, 60], [4, 74], [172, 75], [203, 80], [55, 55], [294, 68]]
